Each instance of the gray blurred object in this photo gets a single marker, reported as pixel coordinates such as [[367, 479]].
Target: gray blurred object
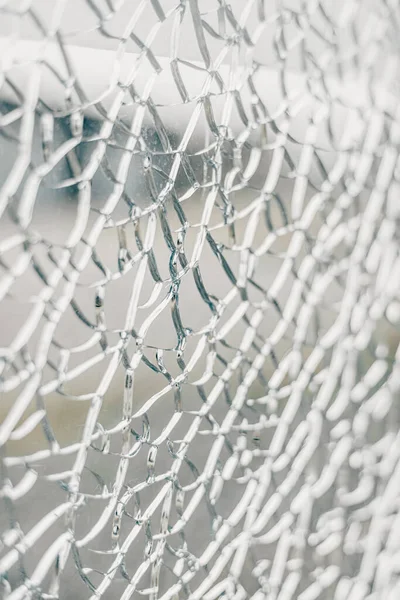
[[199, 300]]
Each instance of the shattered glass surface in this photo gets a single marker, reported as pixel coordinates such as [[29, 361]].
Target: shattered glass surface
[[199, 299]]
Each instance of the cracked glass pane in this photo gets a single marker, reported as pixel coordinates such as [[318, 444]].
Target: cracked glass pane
[[199, 299]]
